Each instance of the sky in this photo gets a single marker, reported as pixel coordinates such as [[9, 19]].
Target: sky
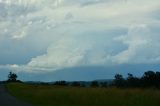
[[78, 39]]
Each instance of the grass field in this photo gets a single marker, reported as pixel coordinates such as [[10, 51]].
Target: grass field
[[76, 96]]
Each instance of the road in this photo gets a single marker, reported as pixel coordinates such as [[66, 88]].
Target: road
[[7, 100]]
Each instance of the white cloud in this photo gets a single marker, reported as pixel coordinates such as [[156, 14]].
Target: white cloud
[[82, 33]]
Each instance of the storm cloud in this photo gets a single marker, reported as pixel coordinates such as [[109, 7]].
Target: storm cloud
[[42, 36]]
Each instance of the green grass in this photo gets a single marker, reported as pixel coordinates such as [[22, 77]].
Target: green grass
[[76, 96]]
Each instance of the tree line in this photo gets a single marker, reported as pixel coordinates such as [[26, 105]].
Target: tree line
[[148, 79]]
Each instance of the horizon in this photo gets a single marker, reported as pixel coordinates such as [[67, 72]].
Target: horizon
[[78, 40]]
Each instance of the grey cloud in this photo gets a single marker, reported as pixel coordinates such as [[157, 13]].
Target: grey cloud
[[92, 2], [84, 3], [61, 3], [69, 16], [13, 11], [155, 14]]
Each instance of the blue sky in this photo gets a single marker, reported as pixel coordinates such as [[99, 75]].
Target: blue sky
[[90, 39]]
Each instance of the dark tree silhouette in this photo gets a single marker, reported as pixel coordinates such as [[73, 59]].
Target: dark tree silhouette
[[12, 77], [149, 79], [133, 81], [104, 84], [76, 83], [157, 79], [119, 81], [63, 83], [94, 84]]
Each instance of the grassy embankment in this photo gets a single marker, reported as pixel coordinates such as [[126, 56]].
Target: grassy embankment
[[76, 96]]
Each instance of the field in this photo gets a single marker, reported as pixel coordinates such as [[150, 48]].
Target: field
[[50, 95]]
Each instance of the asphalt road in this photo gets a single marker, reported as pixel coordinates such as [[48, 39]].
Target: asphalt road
[[7, 100]]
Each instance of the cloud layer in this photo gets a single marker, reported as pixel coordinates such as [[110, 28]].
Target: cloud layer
[[41, 36]]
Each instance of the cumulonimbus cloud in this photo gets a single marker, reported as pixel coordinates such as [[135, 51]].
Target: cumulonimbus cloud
[[59, 35]]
